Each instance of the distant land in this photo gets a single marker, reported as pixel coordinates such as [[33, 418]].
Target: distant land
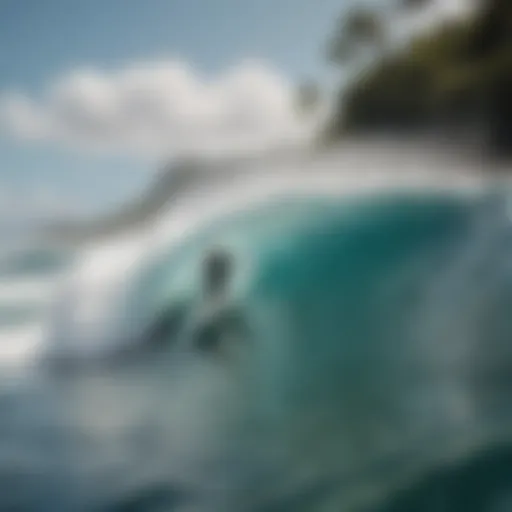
[[170, 183]]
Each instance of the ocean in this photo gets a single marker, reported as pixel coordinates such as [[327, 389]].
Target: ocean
[[358, 359]]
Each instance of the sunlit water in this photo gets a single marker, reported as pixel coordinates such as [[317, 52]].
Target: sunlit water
[[375, 293]]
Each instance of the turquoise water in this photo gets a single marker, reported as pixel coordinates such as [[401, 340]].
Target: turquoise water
[[359, 361]]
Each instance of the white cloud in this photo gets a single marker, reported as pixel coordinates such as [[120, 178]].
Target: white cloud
[[160, 107]]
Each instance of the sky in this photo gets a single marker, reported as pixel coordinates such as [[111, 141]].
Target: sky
[[44, 43], [96, 94]]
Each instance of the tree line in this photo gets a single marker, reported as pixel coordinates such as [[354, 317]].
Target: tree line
[[457, 74]]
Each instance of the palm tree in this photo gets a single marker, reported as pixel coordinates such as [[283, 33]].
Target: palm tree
[[358, 30]]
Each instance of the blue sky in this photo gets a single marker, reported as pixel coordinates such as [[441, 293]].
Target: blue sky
[[42, 40]]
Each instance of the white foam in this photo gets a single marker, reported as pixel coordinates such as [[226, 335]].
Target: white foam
[[20, 346], [26, 290], [83, 307]]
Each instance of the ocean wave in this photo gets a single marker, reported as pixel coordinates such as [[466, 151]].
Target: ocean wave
[[376, 304], [20, 346]]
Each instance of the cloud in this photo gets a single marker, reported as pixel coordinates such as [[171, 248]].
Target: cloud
[[160, 107]]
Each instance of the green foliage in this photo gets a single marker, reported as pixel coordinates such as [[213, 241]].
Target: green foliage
[[448, 73], [402, 97], [360, 29]]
